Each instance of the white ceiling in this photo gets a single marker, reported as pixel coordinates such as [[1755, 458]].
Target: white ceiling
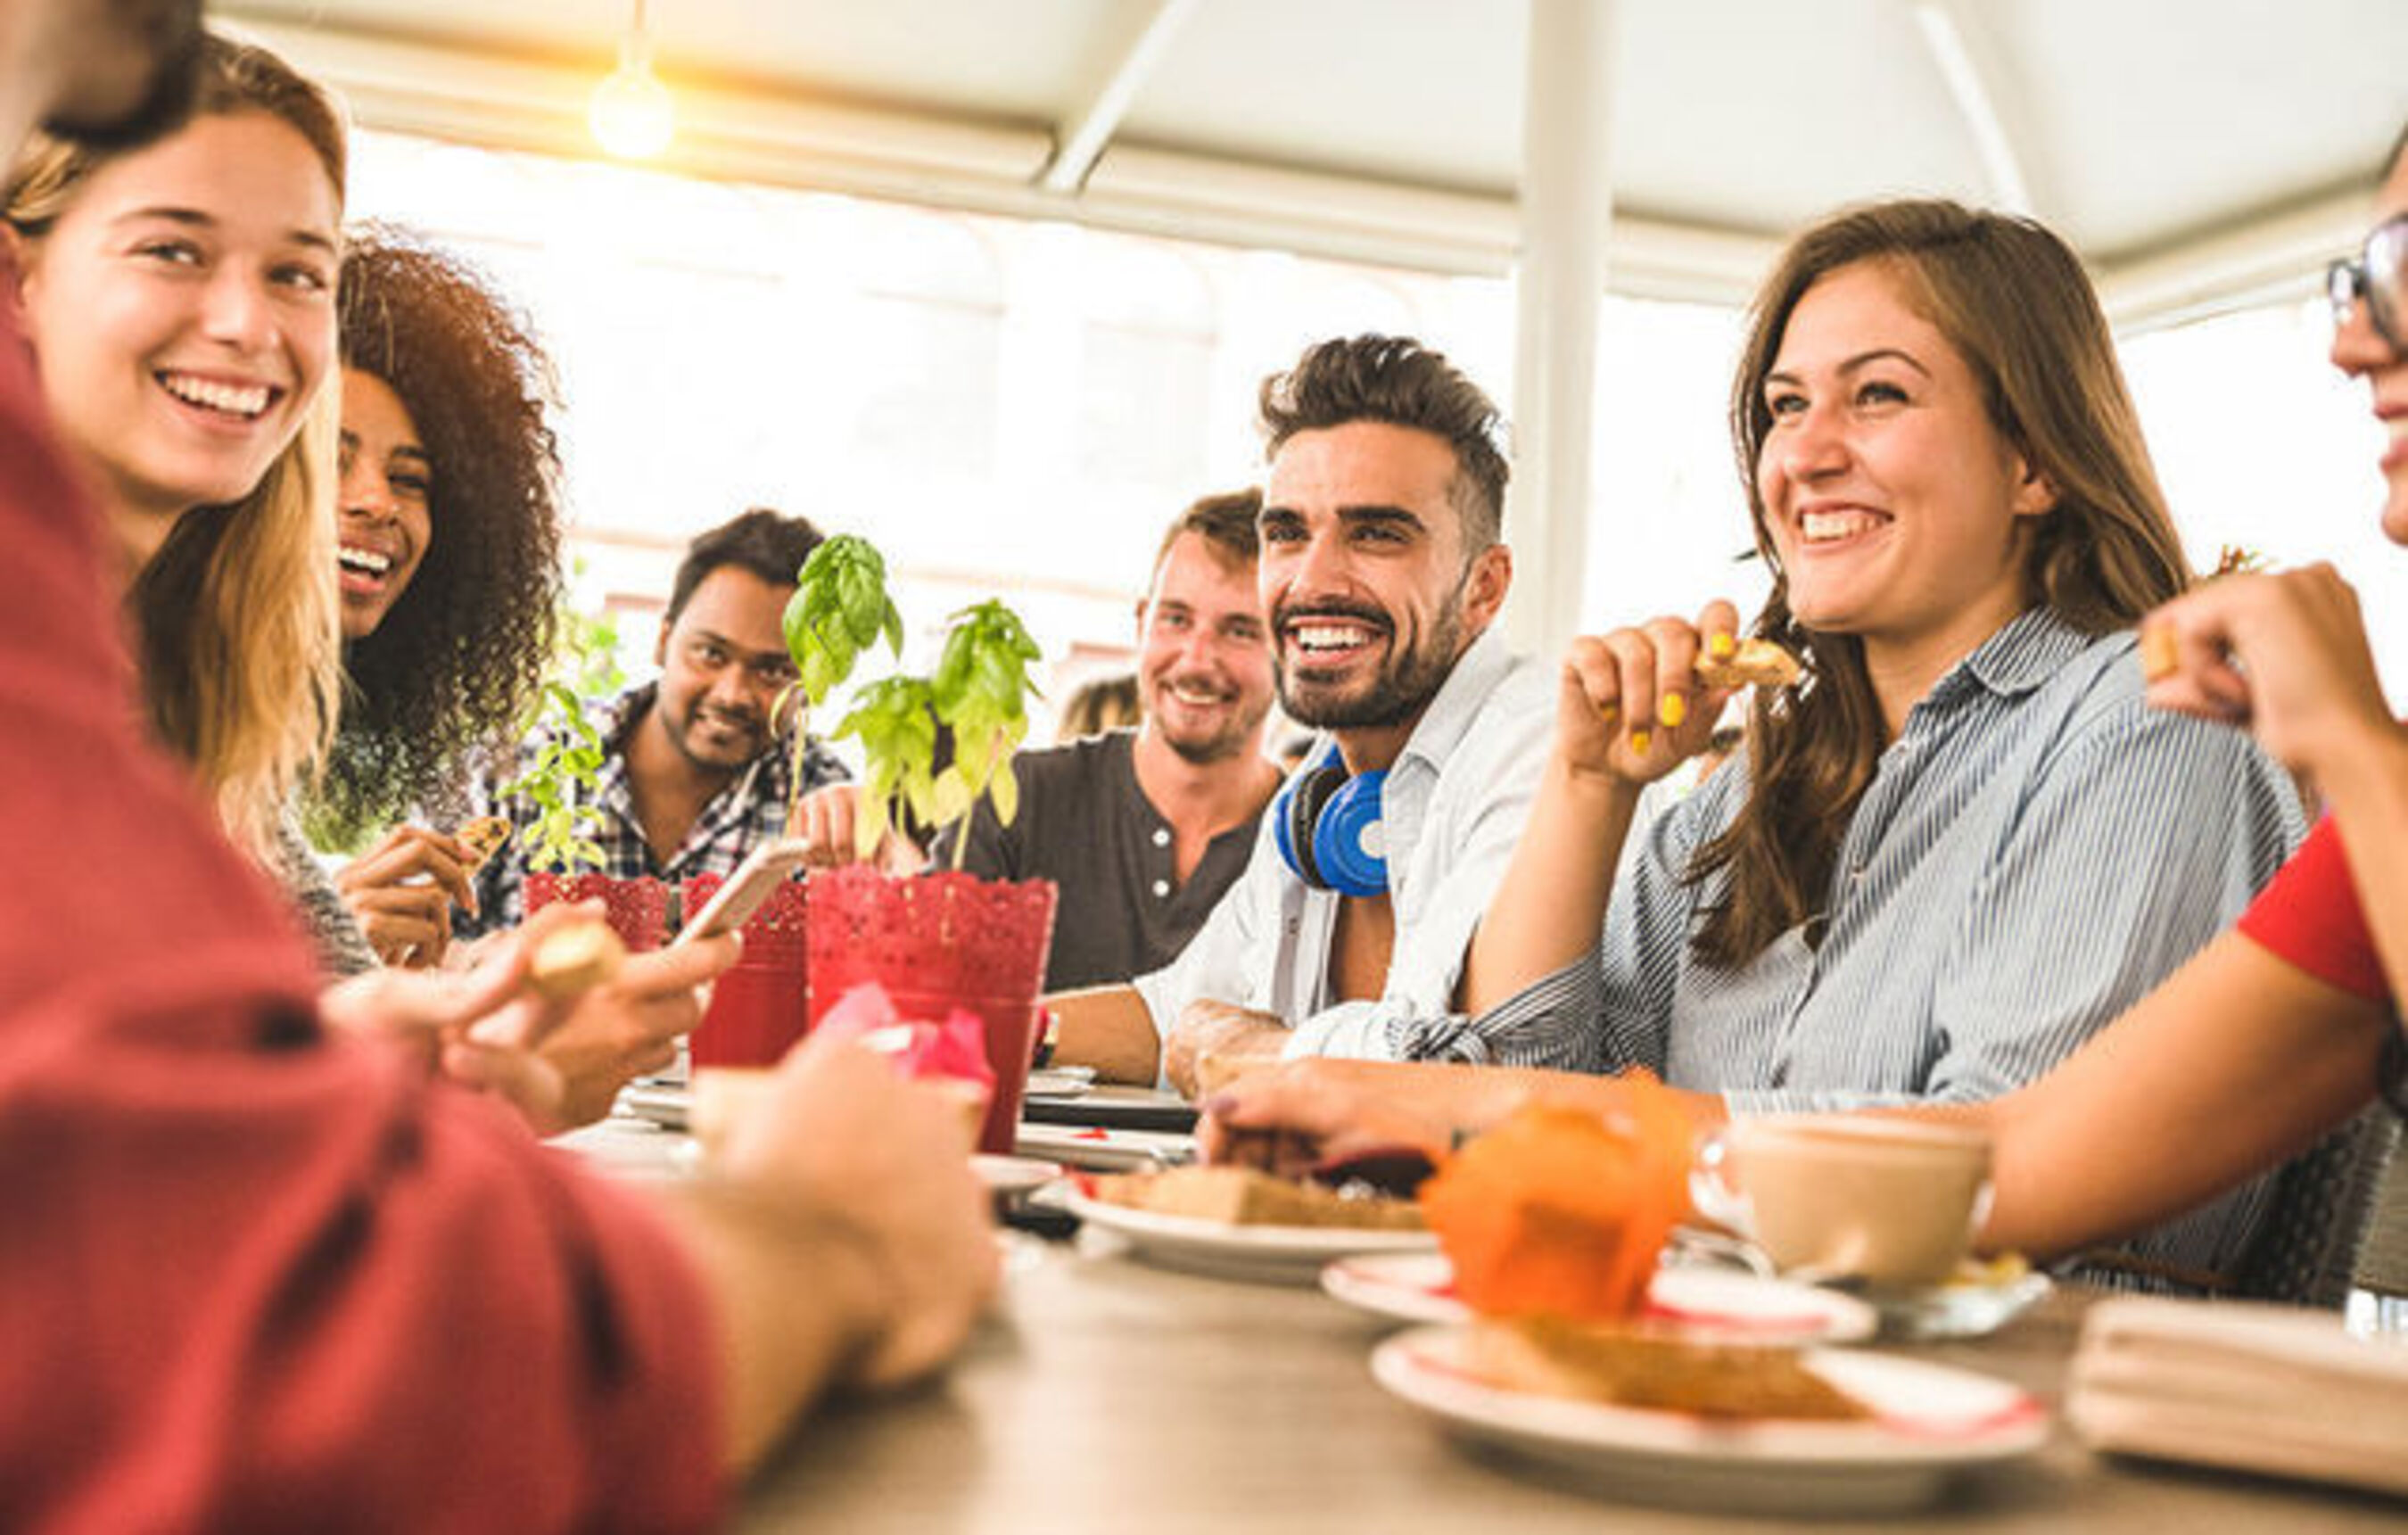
[[2196, 151]]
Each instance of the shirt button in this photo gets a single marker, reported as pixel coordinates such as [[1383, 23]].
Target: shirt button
[[1162, 888], [1162, 837]]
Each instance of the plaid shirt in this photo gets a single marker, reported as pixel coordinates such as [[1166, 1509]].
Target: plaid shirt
[[751, 809]]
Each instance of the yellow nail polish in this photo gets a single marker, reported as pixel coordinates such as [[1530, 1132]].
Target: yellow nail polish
[[1672, 711], [1721, 646], [1639, 741]]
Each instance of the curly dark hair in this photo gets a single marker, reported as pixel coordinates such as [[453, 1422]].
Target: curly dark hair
[[453, 667]]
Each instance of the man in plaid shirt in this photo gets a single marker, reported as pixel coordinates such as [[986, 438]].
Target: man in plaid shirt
[[697, 771]]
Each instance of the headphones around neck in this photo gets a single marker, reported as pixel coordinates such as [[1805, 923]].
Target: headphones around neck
[[1328, 829]]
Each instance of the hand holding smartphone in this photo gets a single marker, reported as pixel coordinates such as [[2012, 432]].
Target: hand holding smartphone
[[764, 869]]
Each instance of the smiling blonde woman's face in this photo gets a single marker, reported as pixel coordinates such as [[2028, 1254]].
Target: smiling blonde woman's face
[[182, 314]]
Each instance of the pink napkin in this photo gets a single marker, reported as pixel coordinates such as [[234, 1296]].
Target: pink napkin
[[954, 1049]]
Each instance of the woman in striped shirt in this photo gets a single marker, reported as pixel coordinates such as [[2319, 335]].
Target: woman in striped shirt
[[2277, 1031], [1949, 484]]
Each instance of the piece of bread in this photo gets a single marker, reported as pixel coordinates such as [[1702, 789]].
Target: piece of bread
[[481, 838], [2161, 653], [1633, 1368], [1754, 663], [574, 959], [1243, 1197]]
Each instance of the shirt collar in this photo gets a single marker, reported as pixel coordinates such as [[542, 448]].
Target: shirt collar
[[2022, 655], [1469, 683]]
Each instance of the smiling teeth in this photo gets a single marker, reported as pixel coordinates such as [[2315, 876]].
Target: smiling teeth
[[1825, 526], [1326, 637], [361, 559], [246, 400]]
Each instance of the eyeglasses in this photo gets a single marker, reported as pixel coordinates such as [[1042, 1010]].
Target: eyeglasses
[[2378, 276]]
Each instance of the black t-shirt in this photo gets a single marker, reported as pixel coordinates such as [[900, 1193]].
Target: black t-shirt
[[1084, 824]]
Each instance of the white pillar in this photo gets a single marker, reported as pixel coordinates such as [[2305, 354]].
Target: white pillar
[[1566, 211]]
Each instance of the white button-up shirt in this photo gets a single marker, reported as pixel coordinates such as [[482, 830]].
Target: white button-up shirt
[[1453, 807]]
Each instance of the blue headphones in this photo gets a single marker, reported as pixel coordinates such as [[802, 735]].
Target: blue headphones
[[1327, 828]]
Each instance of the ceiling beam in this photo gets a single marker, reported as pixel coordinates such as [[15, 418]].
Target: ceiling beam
[[1975, 71], [460, 93], [1098, 117], [2274, 254]]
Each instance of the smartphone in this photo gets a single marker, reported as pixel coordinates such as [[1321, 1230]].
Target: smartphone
[[762, 871]]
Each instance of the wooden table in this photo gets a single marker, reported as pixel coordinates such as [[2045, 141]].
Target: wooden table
[[1107, 1395]]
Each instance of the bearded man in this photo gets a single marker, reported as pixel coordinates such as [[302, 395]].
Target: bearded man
[[1382, 573]]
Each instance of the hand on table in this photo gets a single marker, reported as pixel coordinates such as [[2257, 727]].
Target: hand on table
[[1295, 1116], [843, 1141], [401, 893], [827, 820], [1232, 1038], [2283, 654], [1630, 706]]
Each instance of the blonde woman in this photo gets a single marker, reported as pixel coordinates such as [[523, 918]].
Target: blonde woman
[[179, 297], [184, 329]]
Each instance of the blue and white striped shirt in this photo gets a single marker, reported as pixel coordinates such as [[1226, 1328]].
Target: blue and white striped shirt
[[2037, 851]]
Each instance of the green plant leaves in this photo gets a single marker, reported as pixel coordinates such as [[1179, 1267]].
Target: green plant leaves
[[568, 764], [839, 609], [980, 691]]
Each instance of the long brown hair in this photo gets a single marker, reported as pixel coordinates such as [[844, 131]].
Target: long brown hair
[[236, 615], [2018, 309]]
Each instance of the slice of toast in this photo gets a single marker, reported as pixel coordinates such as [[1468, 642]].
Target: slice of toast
[[1633, 1368], [1243, 1197], [481, 838], [1755, 663]]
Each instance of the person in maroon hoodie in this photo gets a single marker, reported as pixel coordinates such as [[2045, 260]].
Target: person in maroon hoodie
[[258, 1276]]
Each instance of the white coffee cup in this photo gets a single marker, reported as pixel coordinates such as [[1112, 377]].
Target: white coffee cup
[[1894, 1202]]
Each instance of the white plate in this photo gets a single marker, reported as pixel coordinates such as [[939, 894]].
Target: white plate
[[1060, 1081], [1104, 1150], [1933, 1420], [1010, 1175], [1270, 1255], [1702, 1303]]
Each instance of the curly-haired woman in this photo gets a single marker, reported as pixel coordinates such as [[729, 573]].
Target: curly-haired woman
[[450, 568]]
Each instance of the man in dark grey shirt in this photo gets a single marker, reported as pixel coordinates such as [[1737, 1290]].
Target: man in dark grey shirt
[[1143, 829]]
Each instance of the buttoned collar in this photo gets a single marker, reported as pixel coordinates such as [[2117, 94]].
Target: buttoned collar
[[2027, 651]]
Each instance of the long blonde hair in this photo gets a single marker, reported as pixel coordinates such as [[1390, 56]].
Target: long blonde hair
[[2015, 304], [236, 617]]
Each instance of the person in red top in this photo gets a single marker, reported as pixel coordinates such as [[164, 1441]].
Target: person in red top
[[259, 1276], [2276, 1032]]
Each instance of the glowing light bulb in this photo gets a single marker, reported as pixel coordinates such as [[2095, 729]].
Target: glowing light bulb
[[632, 113]]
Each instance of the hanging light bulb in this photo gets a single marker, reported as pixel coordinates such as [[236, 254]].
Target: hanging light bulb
[[632, 113]]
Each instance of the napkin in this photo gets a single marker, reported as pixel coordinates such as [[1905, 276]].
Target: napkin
[[2276, 1389], [953, 1049]]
